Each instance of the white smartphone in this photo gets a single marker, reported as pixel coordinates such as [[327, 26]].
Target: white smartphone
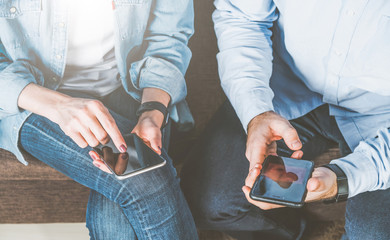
[[138, 158]]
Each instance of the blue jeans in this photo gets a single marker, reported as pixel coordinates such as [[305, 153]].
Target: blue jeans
[[147, 206], [217, 167]]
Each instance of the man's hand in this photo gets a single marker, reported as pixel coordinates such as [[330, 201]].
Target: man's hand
[[263, 132], [322, 185]]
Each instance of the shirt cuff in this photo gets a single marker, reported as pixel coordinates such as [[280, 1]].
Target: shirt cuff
[[14, 78], [249, 104], [361, 176], [158, 73]]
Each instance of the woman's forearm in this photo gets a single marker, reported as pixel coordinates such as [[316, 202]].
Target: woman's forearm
[[86, 121], [40, 100], [155, 94]]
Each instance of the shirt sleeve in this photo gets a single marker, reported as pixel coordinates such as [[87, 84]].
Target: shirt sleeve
[[14, 77], [245, 54], [167, 55], [368, 167]]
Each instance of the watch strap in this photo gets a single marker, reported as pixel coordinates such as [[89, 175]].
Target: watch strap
[[342, 184], [154, 105]]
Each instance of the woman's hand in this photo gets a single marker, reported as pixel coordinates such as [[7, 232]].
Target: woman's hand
[[86, 121], [148, 127]]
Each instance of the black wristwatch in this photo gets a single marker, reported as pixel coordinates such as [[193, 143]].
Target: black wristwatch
[[150, 106], [342, 184]]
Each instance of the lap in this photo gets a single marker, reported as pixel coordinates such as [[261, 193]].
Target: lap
[[216, 168], [367, 216], [46, 141], [214, 174], [138, 198]]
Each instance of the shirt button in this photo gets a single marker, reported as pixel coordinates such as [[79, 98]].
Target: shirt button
[[59, 57], [54, 79], [333, 82], [61, 24], [351, 13], [338, 53], [12, 10]]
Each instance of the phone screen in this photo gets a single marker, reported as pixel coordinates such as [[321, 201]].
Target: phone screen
[[283, 181], [137, 159]]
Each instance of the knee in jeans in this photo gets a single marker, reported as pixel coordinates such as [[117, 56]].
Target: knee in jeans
[[367, 229], [213, 211], [154, 184]]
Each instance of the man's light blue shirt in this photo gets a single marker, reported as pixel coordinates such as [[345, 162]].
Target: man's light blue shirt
[[150, 49], [292, 56]]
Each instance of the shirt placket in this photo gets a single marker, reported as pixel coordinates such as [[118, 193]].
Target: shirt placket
[[348, 21], [59, 43]]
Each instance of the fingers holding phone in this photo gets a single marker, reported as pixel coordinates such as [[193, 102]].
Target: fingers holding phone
[[137, 159], [288, 182], [149, 129], [322, 185], [249, 182]]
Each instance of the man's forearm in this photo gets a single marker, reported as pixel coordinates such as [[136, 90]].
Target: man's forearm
[[245, 57]]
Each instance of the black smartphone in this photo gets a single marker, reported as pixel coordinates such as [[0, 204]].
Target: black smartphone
[[138, 158], [282, 181]]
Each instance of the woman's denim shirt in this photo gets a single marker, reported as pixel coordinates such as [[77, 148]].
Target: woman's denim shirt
[[151, 50]]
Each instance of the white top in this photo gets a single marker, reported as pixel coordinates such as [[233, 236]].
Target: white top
[[90, 63]]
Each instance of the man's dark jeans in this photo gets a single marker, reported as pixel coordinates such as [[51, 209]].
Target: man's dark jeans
[[215, 172]]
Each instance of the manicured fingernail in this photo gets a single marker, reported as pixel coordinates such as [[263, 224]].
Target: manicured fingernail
[[93, 156], [122, 148], [96, 164], [296, 144], [257, 166]]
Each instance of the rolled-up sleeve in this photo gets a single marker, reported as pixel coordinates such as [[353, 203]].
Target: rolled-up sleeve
[[368, 167], [245, 54], [167, 56], [14, 77]]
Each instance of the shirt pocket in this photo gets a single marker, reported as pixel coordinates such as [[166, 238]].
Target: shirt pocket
[[375, 54], [132, 18], [20, 20]]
